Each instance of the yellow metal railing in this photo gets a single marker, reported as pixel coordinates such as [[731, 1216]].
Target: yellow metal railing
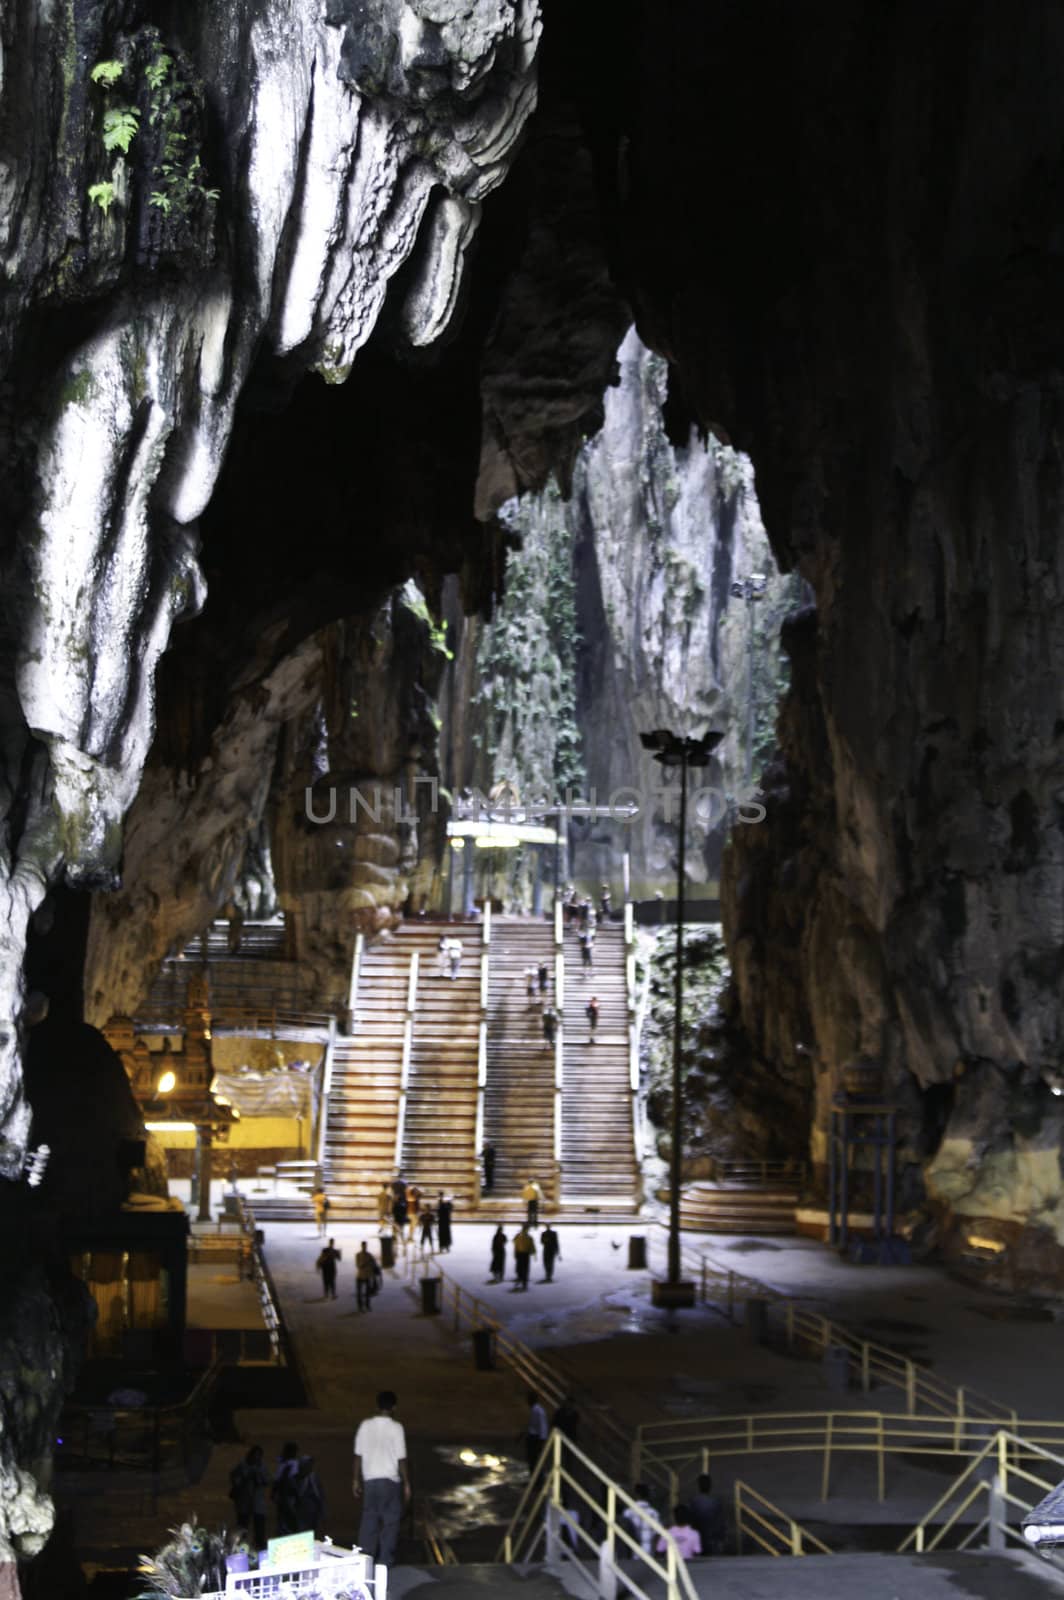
[[869, 1363], [675, 1450], [772, 1530], [999, 1475], [567, 1494]]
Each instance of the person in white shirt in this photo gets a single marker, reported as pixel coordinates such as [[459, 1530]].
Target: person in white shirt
[[636, 1519], [381, 1479]]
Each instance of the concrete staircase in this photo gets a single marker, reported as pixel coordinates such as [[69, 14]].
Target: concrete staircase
[[739, 1207], [364, 1100], [519, 1094], [439, 1134], [599, 1167]]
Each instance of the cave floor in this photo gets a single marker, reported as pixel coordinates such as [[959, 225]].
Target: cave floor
[[596, 1319]]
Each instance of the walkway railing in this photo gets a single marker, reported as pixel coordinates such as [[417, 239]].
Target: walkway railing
[[754, 1171], [269, 1302], [869, 1362], [1007, 1486], [575, 1512], [404, 1070], [761, 1523], [437, 1546], [151, 1438], [677, 1450]]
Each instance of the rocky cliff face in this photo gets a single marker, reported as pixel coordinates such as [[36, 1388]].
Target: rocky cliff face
[[178, 207], [879, 330]]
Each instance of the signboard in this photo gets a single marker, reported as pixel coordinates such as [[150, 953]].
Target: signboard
[[294, 1550]]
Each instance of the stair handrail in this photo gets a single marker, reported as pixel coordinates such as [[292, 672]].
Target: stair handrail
[[565, 1478], [482, 1053], [1005, 1448], [404, 1070], [356, 974], [635, 1022], [326, 1090], [750, 1518], [559, 1045]]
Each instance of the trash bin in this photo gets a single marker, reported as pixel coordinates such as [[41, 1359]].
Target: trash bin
[[430, 1296], [637, 1252], [484, 1349], [260, 1237], [387, 1250], [836, 1365]]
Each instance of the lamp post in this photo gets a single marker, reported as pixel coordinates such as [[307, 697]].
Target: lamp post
[[671, 749]]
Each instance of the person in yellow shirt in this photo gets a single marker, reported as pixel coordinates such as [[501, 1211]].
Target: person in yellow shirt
[[532, 1194], [320, 1202]]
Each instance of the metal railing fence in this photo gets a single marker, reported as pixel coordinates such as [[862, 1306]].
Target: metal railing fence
[[569, 1494], [761, 1523]]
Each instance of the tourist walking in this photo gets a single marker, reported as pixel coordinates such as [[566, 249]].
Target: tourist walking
[[248, 1483], [532, 1194], [381, 1480], [326, 1265], [543, 973], [708, 1516], [365, 1276], [487, 1158], [587, 939], [384, 1204], [687, 1541], [320, 1202], [592, 1010], [550, 1024], [536, 1431], [282, 1492], [428, 1227], [524, 1249], [400, 1215], [456, 957], [444, 1212], [550, 1246], [530, 984], [605, 902], [308, 1500], [637, 1517], [498, 1255], [413, 1208]]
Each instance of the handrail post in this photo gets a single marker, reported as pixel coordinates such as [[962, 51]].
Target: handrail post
[[404, 1071], [559, 1049], [910, 1386], [880, 1463], [738, 1517], [825, 1482], [866, 1381]]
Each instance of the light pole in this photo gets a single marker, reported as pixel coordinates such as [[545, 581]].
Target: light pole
[[750, 588], [671, 749]]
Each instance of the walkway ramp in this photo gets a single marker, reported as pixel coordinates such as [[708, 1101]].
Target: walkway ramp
[[599, 1166]]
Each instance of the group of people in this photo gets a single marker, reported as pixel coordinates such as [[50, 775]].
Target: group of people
[[294, 1488], [368, 1275], [579, 910], [448, 957], [405, 1207], [524, 1248], [699, 1526]]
